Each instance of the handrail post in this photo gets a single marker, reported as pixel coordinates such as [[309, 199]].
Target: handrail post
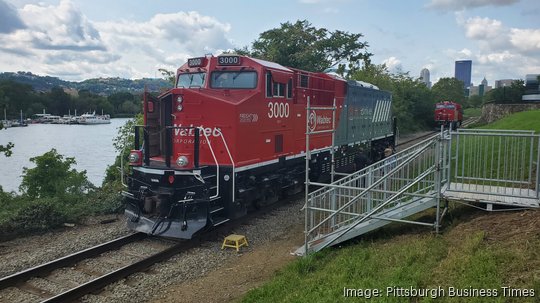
[[308, 158], [168, 147], [146, 146], [137, 139], [196, 149]]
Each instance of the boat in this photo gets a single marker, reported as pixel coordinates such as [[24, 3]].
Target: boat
[[90, 119]]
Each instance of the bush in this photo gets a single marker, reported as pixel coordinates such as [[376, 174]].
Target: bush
[[53, 176]]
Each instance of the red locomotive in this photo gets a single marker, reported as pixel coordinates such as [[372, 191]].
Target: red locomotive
[[231, 137], [447, 113]]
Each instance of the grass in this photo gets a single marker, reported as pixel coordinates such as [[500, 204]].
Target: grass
[[472, 112], [528, 120], [473, 253], [419, 261]]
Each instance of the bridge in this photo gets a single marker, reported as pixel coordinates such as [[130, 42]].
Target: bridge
[[494, 170]]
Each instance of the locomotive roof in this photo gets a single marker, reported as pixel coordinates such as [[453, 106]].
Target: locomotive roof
[[271, 65]]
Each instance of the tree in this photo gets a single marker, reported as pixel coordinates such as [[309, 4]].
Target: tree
[[53, 176], [449, 89], [475, 101], [412, 101], [168, 75], [303, 46], [507, 94], [5, 149]]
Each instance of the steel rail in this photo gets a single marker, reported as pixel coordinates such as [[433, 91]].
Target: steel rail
[[46, 268], [107, 279]]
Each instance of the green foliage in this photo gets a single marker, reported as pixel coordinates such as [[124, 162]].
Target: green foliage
[[412, 101], [527, 120], [168, 75], [123, 143], [511, 94], [6, 149], [449, 89], [475, 101], [472, 112], [53, 176], [301, 45], [16, 97]]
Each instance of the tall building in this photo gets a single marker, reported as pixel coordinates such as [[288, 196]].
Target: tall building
[[503, 82], [424, 77], [481, 89], [463, 72]]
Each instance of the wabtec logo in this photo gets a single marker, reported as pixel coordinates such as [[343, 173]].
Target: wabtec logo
[[190, 132], [316, 119]]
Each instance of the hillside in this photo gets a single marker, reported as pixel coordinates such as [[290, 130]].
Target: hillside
[[102, 86]]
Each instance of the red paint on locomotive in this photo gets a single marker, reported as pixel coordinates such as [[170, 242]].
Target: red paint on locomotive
[[448, 112]]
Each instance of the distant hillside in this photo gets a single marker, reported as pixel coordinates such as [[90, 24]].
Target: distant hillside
[[102, 86]]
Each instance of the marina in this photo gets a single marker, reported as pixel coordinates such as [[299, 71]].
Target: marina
[[92, 148], [44, 118]]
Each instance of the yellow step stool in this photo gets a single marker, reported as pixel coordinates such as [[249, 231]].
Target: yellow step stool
[[234, 241]]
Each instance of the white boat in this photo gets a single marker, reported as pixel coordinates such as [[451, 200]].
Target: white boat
[[94, 119]]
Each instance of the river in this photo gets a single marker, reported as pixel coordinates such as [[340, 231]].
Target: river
[[90, 145]]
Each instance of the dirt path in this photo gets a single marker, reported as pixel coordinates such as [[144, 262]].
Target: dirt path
[[249, 270]]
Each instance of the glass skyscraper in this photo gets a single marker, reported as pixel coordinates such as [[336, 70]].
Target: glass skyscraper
[[463, 72]]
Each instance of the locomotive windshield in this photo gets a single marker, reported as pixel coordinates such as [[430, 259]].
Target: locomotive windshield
[[449, 106], [191, 80], [234, 79]]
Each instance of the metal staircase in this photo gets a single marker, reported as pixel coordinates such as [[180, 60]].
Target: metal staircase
[[488, 167]]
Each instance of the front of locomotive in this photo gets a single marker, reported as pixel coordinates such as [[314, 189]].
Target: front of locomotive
[[169, 189]]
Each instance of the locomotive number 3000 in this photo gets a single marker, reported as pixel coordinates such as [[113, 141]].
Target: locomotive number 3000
[[278, 110]]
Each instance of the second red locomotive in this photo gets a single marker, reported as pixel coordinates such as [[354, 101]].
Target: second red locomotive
[[231, 137], [448, 113]]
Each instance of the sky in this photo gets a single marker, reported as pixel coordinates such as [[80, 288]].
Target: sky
[[76, 40]]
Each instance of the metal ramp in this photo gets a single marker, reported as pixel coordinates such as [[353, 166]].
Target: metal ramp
[[387, 191], [470, 166]]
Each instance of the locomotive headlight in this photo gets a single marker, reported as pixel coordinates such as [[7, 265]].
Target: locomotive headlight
[[182, 161], [133, 157], [180, 99], [179, 107]]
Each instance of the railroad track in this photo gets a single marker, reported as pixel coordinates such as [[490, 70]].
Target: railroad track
[[21, 280], [409, 142]]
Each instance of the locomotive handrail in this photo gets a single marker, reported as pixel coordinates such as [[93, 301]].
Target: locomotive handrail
[[200, 128], [232, 163]]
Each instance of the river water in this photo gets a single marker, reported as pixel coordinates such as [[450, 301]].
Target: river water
[[90, 145]]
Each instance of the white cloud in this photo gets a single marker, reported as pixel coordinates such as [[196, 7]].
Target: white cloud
[[501, 50], [393, 64], [61, 41], [457, 5]]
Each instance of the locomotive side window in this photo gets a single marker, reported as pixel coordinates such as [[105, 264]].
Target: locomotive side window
[[233, 79], [268, 85], [191, 80], [289, 89], [279, 89], [304, 80]]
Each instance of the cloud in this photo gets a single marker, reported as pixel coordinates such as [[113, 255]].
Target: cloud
[[60, 27], [60, 40], [9, 18], [457, 5], [501, 50], [393, 64]]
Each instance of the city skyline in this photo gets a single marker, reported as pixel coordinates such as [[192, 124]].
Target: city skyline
[[76, 39]]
